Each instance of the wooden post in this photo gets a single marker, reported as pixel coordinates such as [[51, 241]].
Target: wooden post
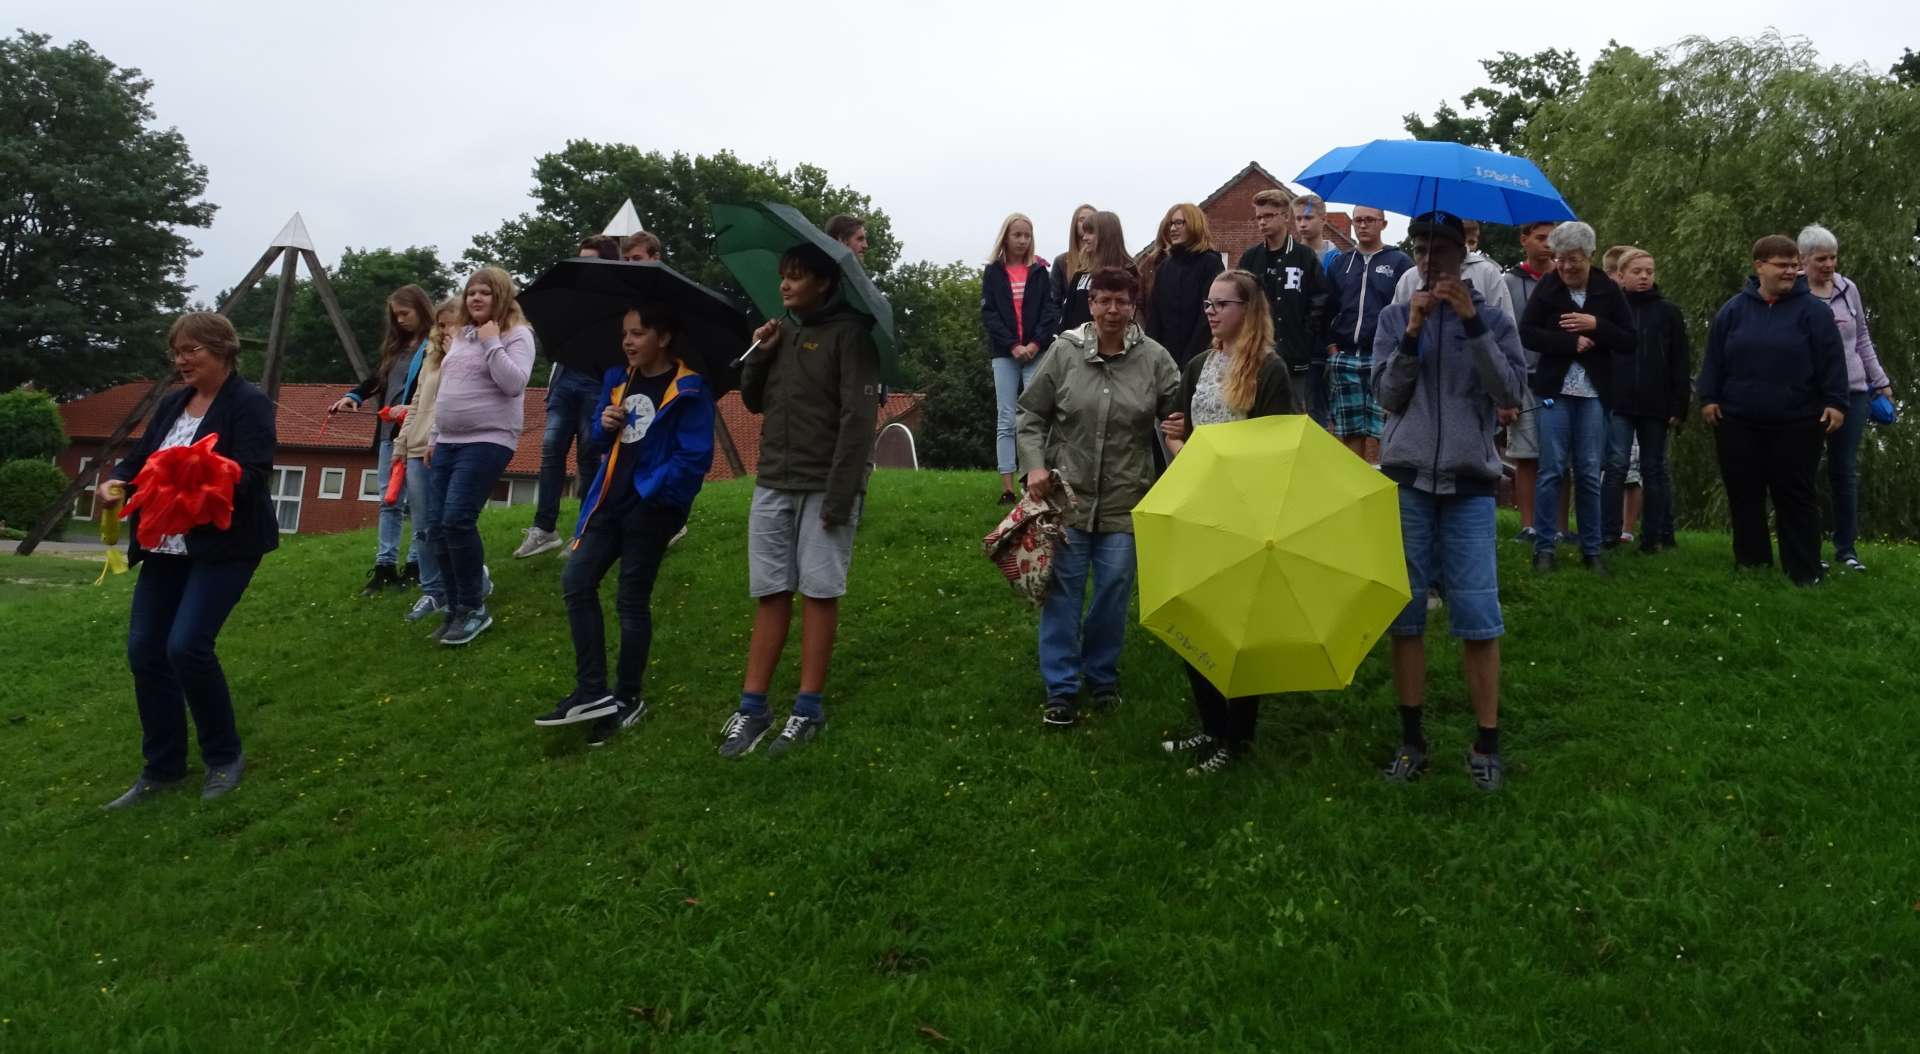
[[104, 462], [338, 317], [723, 437], [277, 329]]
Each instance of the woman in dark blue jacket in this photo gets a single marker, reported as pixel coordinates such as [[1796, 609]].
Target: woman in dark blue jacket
[[1773, 385], [655, 422], [1021, 318], [190, 582]]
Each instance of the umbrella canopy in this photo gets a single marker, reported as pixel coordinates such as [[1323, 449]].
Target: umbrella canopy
[[1413, 176], [1270, 556], [751, 238], [576, 308]]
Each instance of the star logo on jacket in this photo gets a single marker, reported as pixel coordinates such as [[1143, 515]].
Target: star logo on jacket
[[640, 415]]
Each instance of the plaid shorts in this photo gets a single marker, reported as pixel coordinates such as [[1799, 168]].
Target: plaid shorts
[[1352, 411]]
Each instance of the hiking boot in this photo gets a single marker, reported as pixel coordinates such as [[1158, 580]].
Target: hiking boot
[[1595, 564], [1214, 760], [1186, 744], [1485, 770], [382, 577], [1543, 561], [467, 627], [743, 732], [537, 541], [625, 715], [1059, 713], [1408, 764], [577, 709], [142, 789], [222, 779], [798, 729], [410, 575]]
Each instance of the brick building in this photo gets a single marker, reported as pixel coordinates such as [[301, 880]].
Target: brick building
[[1229, 212]]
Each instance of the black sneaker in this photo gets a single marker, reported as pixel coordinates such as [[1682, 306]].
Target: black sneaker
[[625, 715], [1104, 699], [1852, 563], [1059, 713], [797, 730], [1008, 497], [222, 779], [1186, 744], [1408, 764], [381, 578], [1214, 760], [1543, 560], [576, 709], [447, 622], [1485, 770], [142, 789], [743, 732], [1597, 565], [466, 627], [410, 575]]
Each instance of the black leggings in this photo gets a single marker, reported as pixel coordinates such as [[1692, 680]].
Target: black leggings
[[1231, 720]]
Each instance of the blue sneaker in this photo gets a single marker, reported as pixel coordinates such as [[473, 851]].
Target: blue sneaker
[[1408, 764], [743, 732], [1485, 770], [798, 730], [462, 630]]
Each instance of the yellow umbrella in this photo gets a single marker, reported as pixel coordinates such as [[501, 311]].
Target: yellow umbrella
[[1270, 556]]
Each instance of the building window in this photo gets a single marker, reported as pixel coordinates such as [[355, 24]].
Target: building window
[[83, 505], [333, 482], [369, 484], [288, 484]]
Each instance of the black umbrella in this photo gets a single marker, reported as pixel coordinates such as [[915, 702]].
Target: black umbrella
[[576, 308]]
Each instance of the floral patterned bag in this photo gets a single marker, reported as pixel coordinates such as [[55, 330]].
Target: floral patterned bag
[[1022, 546]]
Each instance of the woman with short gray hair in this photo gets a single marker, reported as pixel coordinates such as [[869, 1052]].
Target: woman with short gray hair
[[1820, 255]]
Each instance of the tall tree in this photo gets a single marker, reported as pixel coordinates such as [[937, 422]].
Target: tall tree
[[936, 311], [92, 196], [1907, 70], [1497, 113], [363, 280]]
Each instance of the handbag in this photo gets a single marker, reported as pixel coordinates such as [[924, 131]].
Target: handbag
[[1881, 410], [1022, 546]]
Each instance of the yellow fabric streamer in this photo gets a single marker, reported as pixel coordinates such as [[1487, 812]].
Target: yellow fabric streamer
[[110, 534]]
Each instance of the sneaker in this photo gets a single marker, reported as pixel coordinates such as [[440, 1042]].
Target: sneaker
[[382, 577], [423, 607], [1218, 759], [1527, 535], [1059, 713], [142, 789], [1408, 764], [575, 709], [1104, 699], [469, 626], [797, 730], [1852, 563], [743, 732], [1008, 497], [536, 542], [486, 582], [447, 622], [1595, 564], [1485, 770], [677, 536], [1543, 560], [1186, 744], [625, 715], [1626, 537], [222, 779]]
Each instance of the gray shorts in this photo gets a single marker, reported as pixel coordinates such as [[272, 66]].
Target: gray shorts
[[1523, 435], [790, 551]]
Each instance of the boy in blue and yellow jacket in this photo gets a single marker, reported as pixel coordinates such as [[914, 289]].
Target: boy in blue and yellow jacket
[[655, 422]]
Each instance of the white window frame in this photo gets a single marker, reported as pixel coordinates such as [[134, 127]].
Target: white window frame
[[298, 498], [339, 489], [86, 495], [369, 484]]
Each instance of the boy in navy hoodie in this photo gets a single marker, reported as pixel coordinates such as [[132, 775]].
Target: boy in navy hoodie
[[655, 422]]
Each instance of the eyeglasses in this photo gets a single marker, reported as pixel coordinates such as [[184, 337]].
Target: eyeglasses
[[1369, 219], [1211, 306], [188, 352]]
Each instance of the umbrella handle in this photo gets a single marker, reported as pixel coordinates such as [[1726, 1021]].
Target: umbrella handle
[[742, 360]]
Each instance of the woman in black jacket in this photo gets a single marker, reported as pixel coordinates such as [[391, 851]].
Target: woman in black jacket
[[1578, 323], [1074, 260], [1651, 388], [1102, 244], [1183, 266], [1239, 377], [190, 582], [1021, 318]]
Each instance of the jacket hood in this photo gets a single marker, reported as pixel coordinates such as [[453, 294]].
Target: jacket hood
[[1084, 338], [1752, 289]]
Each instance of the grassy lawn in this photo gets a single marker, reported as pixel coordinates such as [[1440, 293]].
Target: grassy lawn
[[29, 578], [1707, 841]]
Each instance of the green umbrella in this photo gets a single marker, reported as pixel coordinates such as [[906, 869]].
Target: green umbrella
[[753, 237]]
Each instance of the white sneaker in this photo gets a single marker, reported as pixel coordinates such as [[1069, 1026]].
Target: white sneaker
[[423, 607], [486, 583], [537, 542], [677, 535]]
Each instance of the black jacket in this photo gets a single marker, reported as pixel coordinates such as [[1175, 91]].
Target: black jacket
[[242, 416], [1540, 333], [1175, 318], [1273, 395], [1301, 299], [1656, 379], [1774, 362], [1038, 309], [1074, 308]]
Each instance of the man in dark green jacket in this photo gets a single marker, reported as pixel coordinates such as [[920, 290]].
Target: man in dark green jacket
[[1299, 295], [814, 379]]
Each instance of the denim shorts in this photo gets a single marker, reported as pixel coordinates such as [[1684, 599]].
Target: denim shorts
[[1450, 542], [790, 551]]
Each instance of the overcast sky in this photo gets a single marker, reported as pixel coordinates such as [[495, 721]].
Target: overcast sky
[[411, 123]]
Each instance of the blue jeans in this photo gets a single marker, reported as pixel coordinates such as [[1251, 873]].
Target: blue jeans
[[1449, 541], [391, 513], [1073, 641], [463, 478], [426, 513], [1573, 436], [1843, 473], [1656, 475], [1010, 377], [570, 406], [179, 605]]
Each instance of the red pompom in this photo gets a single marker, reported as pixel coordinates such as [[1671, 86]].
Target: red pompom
[[181, 488]]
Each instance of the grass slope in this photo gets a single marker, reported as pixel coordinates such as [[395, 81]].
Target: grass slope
[[1707, 841]]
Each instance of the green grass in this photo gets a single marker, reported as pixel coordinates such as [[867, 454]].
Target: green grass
[[30, 578], [1707, 841]]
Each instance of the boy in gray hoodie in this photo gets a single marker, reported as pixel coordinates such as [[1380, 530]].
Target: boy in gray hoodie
[[1446, 366]]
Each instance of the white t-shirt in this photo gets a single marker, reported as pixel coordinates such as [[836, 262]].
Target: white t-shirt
[[181, 434]]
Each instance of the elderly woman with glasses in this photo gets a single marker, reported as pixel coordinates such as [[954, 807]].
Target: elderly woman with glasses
[[1578, 322], [1820, 256]]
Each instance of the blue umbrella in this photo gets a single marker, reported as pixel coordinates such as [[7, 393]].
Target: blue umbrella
[[1412, 176]]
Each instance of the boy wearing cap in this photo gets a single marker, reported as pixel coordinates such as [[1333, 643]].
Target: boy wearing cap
[[1446, 365]]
